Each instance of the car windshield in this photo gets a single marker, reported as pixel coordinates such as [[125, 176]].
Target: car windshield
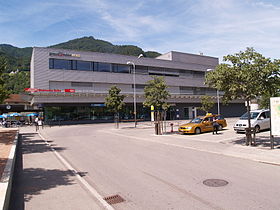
[[219, 117], [196, 120], [253, 115]]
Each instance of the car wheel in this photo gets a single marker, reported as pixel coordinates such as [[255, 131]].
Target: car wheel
[[220, 127], [257, 128], [197, 131]]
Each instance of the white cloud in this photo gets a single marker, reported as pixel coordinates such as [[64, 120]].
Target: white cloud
[[226, 27], [216, 27], [127, 22]]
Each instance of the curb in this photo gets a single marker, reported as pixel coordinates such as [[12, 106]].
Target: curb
[[7, 177], [85, 184]]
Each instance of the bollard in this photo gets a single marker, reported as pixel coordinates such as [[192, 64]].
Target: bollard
[[171, 124]]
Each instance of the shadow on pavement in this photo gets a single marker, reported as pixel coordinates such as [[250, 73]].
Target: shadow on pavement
[[39, 179], [28, 182], [31, 145], [2, 165], [261, 141]]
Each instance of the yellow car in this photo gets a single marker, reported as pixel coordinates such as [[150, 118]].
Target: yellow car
[[202, 124]]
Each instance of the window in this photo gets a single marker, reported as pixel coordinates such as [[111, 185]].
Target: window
[[139, 86], [51, 63], [199, 91], [84, 65], [81, 84], [197, 74], [120, 68], [171, 75], [163, 74], [262, 116], [74, 65], [59, 64], [95, 66], [155, 68], [186, 73], [141, 69], [186, 90], [104, 67]]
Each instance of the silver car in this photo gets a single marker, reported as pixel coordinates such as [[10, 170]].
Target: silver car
[[260, 120]]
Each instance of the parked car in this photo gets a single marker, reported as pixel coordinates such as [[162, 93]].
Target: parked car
[[260, 120], [202, 124]]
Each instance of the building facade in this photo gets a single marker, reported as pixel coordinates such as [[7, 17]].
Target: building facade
[[72, 85]]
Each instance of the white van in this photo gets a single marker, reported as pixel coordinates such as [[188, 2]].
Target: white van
[[260, 120]]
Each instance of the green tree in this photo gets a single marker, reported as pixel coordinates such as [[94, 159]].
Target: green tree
[[156, 94], [206, 103], [16, 82], [272, 85], [3, 90], [246, 75], [114, 102], [151, 54]]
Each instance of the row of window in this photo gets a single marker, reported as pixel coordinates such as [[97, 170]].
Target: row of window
[[119, 68], [87, 66], [183, 90]]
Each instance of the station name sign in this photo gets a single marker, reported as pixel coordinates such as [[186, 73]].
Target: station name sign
[[46, 90], [64, 54]]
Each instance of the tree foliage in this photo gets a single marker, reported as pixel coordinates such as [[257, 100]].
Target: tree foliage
[[17, 81], [156, 93], [17, 58], [207, 103], [114, 100], [246, 75], [151, 54], [3, 90], [95, 45]]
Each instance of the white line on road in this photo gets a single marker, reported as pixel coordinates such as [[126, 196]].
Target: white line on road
[[184, 147], [82, 180], [164, 143]]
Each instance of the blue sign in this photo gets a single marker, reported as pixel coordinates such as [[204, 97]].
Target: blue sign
[[97, 105]]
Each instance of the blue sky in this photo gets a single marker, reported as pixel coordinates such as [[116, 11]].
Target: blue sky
[[213, 27]]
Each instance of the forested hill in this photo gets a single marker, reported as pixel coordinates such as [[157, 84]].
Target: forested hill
[[96, 45], [19, 58]]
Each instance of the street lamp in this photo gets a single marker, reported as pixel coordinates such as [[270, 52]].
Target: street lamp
[[218, 95], [134, 88]]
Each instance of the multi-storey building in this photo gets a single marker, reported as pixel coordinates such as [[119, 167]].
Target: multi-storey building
[[72, 85]]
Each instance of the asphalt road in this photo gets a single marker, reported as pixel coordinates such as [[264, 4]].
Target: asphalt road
[[150, 172]]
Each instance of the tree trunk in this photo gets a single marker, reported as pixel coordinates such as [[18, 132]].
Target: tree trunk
[[117, 120], [158, 124], [164, 121], [248, 131]]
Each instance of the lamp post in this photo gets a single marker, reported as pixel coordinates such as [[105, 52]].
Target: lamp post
[[134, 90], [218, 95]]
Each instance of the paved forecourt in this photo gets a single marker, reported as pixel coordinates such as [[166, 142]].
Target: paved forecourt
[[41, 179], [165, 172]]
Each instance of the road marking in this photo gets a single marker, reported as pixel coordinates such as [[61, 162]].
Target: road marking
[[189, 147], [164, 143], [82, 180]]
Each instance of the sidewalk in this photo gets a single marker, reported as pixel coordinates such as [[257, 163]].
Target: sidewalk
[[8, 144], [42, 182], [226, 143]]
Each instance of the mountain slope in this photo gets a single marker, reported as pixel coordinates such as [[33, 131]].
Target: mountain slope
[[19, 58], [96, 45]]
